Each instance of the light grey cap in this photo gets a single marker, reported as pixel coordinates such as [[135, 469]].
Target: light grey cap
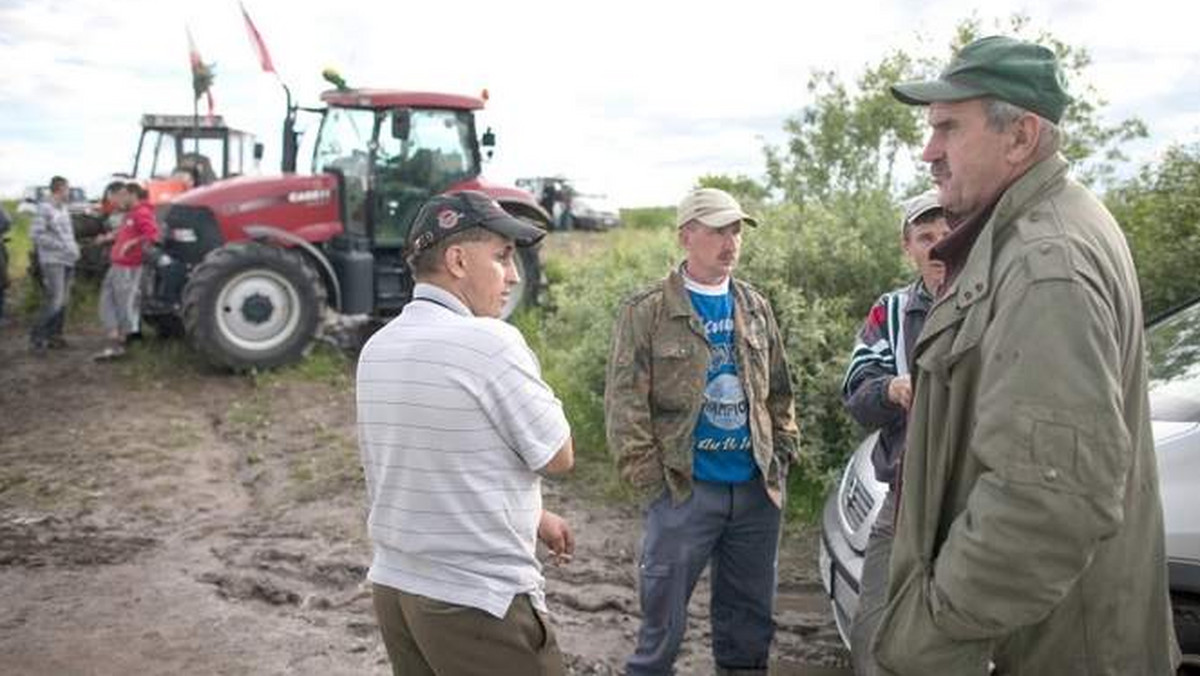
[[918, 206], [711, 207]]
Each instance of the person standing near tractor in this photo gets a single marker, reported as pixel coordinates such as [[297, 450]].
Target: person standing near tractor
[[456, 426], [119, 293], [54, 244]]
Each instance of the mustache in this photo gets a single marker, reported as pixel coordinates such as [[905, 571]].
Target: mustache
[[939, 168]]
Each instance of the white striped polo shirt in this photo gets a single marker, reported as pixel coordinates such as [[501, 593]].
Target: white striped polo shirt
[[453, 422]]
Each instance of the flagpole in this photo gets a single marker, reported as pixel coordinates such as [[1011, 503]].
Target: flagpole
[[196, 125]]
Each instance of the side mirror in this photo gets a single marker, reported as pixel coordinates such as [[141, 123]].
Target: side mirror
[[258, 150], [401, 123], [488, 141]]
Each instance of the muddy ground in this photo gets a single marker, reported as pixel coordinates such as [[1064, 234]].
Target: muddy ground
[[157, 518]]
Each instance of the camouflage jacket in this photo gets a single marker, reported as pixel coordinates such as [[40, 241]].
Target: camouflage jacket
[[654, 389]]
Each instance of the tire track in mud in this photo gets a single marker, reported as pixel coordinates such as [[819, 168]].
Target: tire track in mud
[[594, 600], [157, 522]]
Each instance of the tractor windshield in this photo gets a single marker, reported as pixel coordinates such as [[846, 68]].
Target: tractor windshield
[[343, 147], [439, 150]]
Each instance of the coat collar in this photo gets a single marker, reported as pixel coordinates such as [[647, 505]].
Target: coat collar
[[677, 303], [974, 281]]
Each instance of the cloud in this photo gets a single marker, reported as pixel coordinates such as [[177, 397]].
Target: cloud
[[638, 97]]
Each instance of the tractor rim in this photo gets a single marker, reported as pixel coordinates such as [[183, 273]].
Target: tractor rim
[[258, 310]]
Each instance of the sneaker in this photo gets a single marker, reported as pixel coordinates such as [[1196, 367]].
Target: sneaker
[[109, 353]]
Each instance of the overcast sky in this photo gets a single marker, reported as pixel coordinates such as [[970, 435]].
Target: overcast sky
[[635, 98]]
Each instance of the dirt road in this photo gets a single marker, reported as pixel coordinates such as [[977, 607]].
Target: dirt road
[[159, 518]]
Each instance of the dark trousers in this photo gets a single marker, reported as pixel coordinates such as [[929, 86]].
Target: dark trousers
[[736, 528], [874, 588], [56, 294], [425, 637]]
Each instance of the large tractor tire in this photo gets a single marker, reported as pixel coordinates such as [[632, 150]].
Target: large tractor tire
[[250, 305]]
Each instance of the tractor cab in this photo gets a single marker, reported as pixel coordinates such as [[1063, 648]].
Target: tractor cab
[[393, 150], [177, 152], [390, 151]]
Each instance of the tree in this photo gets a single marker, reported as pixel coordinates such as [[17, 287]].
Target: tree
[[851, 137], [748, 192], [1160, 212]]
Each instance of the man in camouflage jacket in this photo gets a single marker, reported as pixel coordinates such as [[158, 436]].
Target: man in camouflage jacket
[[700, 418]]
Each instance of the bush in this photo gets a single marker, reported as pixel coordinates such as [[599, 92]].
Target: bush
[[1160, 212], [648, 218]]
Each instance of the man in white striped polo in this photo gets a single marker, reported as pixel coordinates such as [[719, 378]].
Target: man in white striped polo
[[456, 426]]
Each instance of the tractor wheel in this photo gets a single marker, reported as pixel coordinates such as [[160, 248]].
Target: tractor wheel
[[526, 291], [252, 305]]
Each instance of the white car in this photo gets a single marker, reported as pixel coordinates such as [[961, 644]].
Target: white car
[[1173, 343], [593, 211]]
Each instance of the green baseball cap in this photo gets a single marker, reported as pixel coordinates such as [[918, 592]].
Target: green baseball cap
[[1021, 73]]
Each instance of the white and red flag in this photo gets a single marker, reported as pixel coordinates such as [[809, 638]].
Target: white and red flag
[[256, 41]]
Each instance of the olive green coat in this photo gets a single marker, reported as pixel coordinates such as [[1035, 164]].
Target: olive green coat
[[654, 388], [1030, 529]]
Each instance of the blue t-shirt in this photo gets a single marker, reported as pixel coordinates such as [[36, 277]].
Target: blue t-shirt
[[722, 453]]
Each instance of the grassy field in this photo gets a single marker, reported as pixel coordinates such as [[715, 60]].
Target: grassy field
[[589, 274]]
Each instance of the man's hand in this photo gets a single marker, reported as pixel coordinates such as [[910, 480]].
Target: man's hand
[[899, 391], [556, 534]]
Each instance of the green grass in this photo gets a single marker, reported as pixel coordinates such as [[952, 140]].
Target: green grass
[[323, 364], [644, 218]]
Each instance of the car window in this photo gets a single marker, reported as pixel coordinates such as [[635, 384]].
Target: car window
[[1174, 355]]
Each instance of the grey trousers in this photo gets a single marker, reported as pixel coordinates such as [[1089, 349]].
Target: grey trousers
[[119, 299], [736, 527], [56, 294], [873, 589]]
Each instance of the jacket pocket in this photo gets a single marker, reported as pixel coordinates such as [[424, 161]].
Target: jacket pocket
[[908, 641], [671, 376], [1075, 451]]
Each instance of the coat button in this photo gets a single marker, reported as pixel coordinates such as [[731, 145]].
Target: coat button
[[1034, 217], [1050, 474], [1045, 248], [979, 286], [967, 295]]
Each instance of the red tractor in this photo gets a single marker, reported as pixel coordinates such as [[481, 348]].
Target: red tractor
[[253, 264]]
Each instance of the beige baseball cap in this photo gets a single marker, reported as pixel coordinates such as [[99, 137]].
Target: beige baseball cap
[[711, 207], [919, 206]]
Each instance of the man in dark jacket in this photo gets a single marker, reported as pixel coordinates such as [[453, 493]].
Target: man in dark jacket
[[877, 391]]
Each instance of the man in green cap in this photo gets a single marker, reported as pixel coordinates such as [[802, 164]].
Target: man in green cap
[[1030, 531]]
